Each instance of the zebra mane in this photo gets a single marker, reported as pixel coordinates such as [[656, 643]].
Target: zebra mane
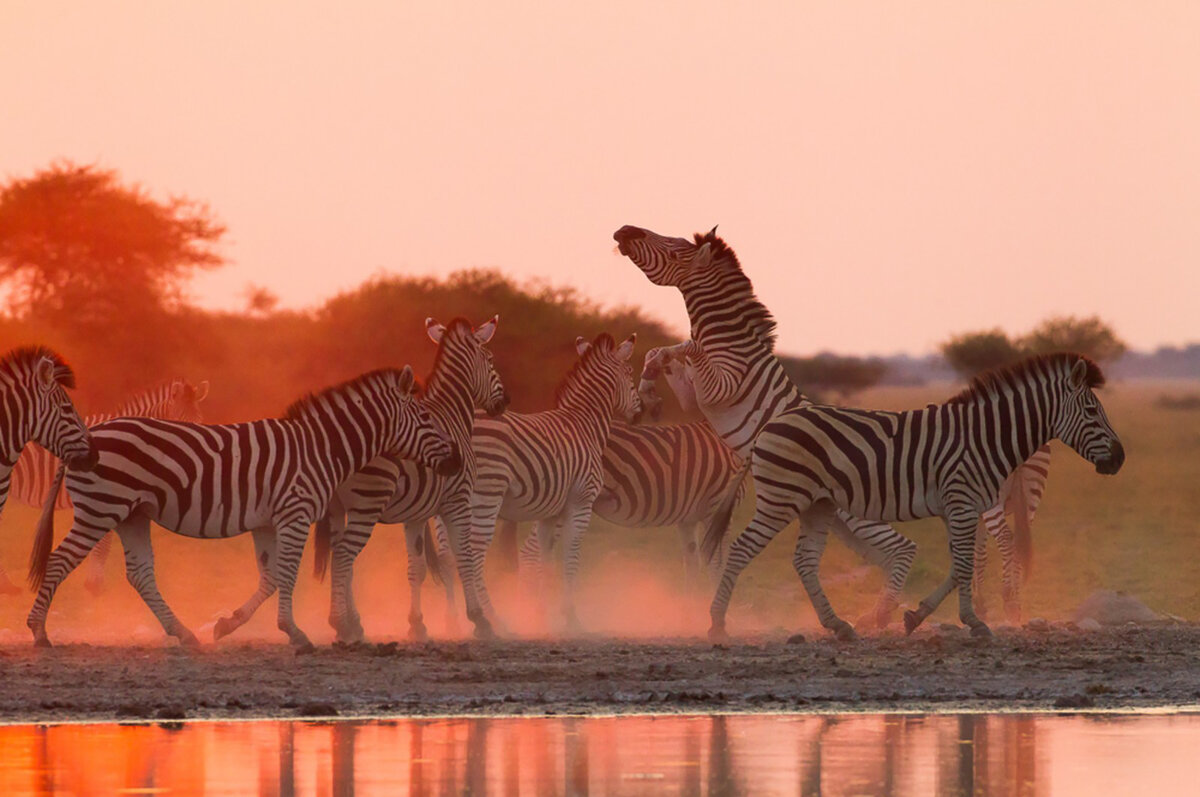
[[23, 359], [990, 382], [308, 404], [603, 342], [756, 315], [456, 323]]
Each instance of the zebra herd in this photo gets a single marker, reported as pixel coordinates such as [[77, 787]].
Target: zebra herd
[[450, 463]]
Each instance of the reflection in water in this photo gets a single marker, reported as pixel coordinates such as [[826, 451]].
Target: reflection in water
[[736, 754]]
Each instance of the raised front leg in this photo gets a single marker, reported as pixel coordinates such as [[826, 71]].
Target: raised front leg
[[264, 558], [961, 527], [139, 569], [80, 540]]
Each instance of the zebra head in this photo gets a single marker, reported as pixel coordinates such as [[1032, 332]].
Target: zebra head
[[463, 350], [668, 261], [415, 435], [1080, 421], [39, 379], [609, 366], [183, 400]]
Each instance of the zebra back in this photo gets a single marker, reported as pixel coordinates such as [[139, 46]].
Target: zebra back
[[172, 400]]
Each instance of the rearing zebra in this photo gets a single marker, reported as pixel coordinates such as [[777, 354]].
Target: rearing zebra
[[948, 460], [546, 466], [38, 471], [33, 396], [397, 491], [739, 383], [272, 477]]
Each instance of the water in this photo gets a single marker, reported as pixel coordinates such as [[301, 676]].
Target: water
[[1011, 754]]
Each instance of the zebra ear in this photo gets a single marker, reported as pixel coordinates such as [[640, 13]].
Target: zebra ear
[[406, 380], [581, 345], [45, 374], [484, 332], [201, 391], [625, 350], [434, 330], [703, 256], [1078, 376]]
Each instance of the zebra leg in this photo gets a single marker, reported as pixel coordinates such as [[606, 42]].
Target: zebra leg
[[414, 538], [484, 512], [762, 529], [690, 547], [65, 558], [455, 520], [95, 578], [348, 541], [139, 570], [1010, 573], [289, 543], [881, 545], [529, 559], [264, 557], [448, 566], [981, 554], [961, 527], [814, 533], [576, 524]]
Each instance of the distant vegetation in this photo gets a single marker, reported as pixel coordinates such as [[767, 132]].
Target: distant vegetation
[[98, 270], [973, 352]]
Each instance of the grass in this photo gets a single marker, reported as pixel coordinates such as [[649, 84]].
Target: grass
[[1135, 532]]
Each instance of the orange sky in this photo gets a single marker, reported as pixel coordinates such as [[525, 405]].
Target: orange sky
[[888, 172]]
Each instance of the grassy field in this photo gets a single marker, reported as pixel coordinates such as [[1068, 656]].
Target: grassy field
[[1134, 532]]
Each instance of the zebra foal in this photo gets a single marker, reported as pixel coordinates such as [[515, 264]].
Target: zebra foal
[[948, 460], [272, 477]]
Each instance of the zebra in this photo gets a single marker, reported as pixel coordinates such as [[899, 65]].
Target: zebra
[[37, 469], [1020, 496], [947, 460], [546, 466], [272, 477], [397, 491], [735, 377], [668, 475], [33, 394]]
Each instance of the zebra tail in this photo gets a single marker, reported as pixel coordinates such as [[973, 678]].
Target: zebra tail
[[43, 540], [718, 524], [322, 545], [1022, 528], [506, 545], [432, 561]]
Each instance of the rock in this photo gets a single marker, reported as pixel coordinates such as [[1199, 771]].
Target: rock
[[1038, 624], [1114, 608], [1089, 625]]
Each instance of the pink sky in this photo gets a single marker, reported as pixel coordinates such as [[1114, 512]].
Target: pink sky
[[889, 173]]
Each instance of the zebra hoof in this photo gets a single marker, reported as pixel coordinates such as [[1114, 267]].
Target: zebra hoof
[[718, 635], [484, 630], [845, 633], [187, 639], [304, 648], [911, 621], [224, 626], [417, 632], [981, 631], [42, 642]]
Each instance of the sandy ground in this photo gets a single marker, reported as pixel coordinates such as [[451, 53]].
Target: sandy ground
[[937, 669]]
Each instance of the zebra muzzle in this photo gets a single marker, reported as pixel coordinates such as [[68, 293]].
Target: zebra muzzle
[[1116, 458]]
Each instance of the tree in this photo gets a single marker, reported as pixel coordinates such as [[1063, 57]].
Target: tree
[[970, 353], [1089, 336], [842, 376], [81, 251]]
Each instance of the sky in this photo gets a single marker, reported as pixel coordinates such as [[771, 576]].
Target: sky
[[888, 173]]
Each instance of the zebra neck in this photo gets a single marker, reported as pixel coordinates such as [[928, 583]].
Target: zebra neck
[[1014, 430], [343, 444], [453, 407], [591, 413]]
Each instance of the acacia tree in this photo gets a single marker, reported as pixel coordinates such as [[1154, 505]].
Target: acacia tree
[[79, 250], [1089, 336], [100, 267], [972, 352]]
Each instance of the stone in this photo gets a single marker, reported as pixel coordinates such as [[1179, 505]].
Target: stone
[[1107, 607]]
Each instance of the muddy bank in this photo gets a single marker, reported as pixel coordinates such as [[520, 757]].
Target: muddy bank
[[935, 670]]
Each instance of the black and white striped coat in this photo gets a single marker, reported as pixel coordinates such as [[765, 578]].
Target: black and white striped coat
[[738, 382], [37, 469], [272, 477], [547, 466], [463, 379], [948, 460]]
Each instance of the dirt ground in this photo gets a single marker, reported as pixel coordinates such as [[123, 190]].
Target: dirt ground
[[937, 669]]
